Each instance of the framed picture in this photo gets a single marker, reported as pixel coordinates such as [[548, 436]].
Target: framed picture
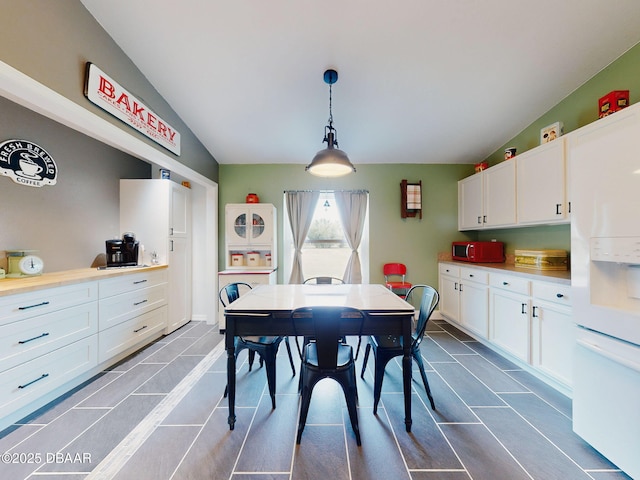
[[551, 132]]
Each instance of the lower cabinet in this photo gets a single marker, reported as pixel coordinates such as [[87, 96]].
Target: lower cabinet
[[52, 339], [527, 319]]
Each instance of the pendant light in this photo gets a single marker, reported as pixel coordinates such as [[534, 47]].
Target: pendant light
[[330, 162]]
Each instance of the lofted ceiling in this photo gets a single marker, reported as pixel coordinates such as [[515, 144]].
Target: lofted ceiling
[[420, 81]]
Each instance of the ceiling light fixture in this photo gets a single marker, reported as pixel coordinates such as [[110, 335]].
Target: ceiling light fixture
[[330, 162]]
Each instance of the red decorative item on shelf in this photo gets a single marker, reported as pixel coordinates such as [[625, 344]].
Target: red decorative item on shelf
[[252, 198], [612, 102]]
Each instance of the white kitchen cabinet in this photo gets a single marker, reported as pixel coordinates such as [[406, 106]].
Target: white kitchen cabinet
[[449, 305], [488, 199], [474, 300], [132, 310], [541, 185], [158, 212], [464, 297], [252, 277], [510, 314], [553, 331], [250, 236]]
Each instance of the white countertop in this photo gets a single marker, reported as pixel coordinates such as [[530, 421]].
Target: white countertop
[[555, 276]]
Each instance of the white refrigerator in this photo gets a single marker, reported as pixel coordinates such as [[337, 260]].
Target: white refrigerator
[[604, 172]]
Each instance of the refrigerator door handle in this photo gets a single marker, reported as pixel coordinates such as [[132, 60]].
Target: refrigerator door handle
[[609, 355]]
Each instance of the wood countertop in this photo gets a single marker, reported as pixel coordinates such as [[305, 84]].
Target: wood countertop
[[12, 286], [556, 276]]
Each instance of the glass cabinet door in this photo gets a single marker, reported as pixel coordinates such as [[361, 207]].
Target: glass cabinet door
[[257, 227], [240, 226]]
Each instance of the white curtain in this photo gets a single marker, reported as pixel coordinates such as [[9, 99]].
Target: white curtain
[[352, 207], [300, 208]]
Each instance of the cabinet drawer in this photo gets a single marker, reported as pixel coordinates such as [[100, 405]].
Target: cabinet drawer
[[31, 380], [451, 270], [127, 283], [119, 338], [25, 340], [510, 283], [117, 309], [474, 275], [552, 292], [25, 305]]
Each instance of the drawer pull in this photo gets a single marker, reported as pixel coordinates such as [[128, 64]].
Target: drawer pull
[[44, 375], [524, 305], [559, 295], [139, 281], [533, 312], [471, 275], [505, 283], [32, 339], [33, 306], [139, 303], [140, 329]]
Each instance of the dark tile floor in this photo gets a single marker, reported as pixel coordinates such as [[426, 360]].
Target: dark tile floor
[[160, 415]]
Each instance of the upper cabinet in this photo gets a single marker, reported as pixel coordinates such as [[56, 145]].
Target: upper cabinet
[[488, 199], [250, 235], [541, 185], [530, 189]]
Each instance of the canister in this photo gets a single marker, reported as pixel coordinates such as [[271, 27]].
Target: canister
[[253, 259], [237, 259]]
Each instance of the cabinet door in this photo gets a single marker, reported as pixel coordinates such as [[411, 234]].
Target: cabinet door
[[179, 283], [554, 338], [541, 184], [449, 298], [237, 220], [470, 210], [510, 322], [500, 195], [180, 212], [261, 228], [474, 307]]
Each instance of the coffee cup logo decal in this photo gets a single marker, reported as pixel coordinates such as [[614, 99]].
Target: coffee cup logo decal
[[27, 163]]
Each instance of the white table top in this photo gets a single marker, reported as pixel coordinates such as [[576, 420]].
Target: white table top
[[370, 298]]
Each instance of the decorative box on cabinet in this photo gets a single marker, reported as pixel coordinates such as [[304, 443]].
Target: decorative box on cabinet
[[541, 185], [159, 213], [488, 198], [250, 236], [253, 278]]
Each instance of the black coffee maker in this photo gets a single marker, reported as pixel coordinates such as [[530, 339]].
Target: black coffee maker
[[122, 253]]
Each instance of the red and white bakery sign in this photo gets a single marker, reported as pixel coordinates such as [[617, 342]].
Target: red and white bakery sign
[[109, 95]]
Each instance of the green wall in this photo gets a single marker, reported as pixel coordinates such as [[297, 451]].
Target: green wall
[[413, 241]]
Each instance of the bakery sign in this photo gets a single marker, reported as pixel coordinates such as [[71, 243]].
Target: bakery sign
[[106, 93], [27, 163]]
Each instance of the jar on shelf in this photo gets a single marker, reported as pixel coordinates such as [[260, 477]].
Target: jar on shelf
[[252, 198], [237, 259]]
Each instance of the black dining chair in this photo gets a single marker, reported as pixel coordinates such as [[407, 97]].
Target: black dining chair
[[323, 281], [327, 357], [266, 347], [387, 347]]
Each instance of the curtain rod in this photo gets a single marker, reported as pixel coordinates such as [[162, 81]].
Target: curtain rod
[[327, 191]]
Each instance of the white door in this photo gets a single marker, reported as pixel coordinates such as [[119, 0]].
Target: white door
[[500, 194], [470, 210]]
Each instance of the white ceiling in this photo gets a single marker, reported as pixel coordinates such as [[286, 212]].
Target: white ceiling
[[420, 81]]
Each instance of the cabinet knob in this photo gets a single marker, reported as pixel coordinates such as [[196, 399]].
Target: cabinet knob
[[505, 283], [559, 295]]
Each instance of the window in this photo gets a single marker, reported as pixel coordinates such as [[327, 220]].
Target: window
[[325, 251]]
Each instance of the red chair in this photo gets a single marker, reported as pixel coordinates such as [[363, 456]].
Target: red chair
[[396, 271]]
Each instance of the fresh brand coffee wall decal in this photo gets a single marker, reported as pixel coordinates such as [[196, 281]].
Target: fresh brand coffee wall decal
[[27, 163], [110, 96]]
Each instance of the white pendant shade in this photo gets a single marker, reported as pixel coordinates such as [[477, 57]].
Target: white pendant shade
[[330, 162]]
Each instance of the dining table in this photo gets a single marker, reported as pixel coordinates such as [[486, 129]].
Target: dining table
[[266, 311]]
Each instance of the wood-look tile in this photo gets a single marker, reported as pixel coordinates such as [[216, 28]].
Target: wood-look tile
[[455, 332], [468, 387], [170, 351], [327, 401], [481, 454], [106, 433], [440, 475], [550, 395], [160, 454], [169, 376], [557, 428], [269, 447], [492, 356], [213, 454], [433, 352], [113, 393], [322, 454], [195, 330], [204, 344], [450, 344], [424, 447], [449, 406], [609, 475], [528, 446], [197, 405], [488, 374]]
